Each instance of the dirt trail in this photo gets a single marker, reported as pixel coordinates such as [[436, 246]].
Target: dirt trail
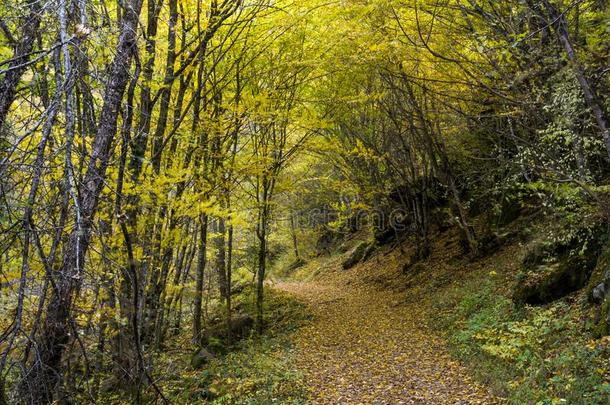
[[367, 346]]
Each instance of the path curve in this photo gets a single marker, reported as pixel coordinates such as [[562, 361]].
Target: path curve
[[365, 346]]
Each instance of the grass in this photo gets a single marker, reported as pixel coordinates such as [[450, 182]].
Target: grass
[[258, 370], [527, 354]]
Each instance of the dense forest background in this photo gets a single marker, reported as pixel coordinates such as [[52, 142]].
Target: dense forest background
[[159, 158]]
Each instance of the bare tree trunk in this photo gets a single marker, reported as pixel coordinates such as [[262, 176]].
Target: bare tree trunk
[[146, 102], [293, 233], [126, 356], [260, 276], [184, 276], [199, 276], [28, 220], [219, 242], [559, 24], [229, 281], [21, 56], [46, 372], [166, 92], [261, 233]]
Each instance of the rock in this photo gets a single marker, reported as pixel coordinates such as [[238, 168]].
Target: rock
[[298, 263], [358, 254], [602, 324], [200, 358], [599, 293], [553, 270], [599, 285], [327, 240], [547, 283], [216, 333]]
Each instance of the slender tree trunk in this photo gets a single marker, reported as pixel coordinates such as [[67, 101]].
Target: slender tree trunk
[[28, 220], [229, 277], [146, 102], [161, 257], [166, 92], [560, 26], [293, 233], [46, 372], [260, 279], [219, 242], [29, 26], [262, 262], [184, 277], [199, 277]]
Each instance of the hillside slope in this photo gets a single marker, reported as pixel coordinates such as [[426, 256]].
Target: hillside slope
[[387, 331]]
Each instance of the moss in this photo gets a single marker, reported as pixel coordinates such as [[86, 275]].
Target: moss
[[602, 266], [362, 252], [554, 269], [602, 328], [547, 283]]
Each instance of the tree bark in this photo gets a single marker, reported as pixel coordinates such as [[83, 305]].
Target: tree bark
[[261, 233], [199, 276], [229, 277], [293, 233], [21, 56], [559, 24], [260, 277], [219, 242], [45, 375]]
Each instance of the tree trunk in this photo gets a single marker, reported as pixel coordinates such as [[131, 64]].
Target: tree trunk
[[219, 242], [262, 262], [21, 56], [199, 276], [229, 277], [559, 24], [293, 233], [41, 382]]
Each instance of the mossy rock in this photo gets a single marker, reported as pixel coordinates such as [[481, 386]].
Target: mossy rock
[[298, 263], [215, 334], [598, 292], [552, 270], [547, 283], [602, 327], [599, 274], [360, 253], [200, 358]]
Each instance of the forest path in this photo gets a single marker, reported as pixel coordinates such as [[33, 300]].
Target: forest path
[[365, 345]]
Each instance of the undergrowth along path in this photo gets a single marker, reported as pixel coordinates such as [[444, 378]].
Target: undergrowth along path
[[367, 345]]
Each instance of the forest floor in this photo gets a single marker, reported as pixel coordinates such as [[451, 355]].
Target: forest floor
[[367, 344]]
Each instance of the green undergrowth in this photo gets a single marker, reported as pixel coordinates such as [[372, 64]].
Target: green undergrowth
[[526, 354], [260, 371], [308, 270], [257, 370]]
